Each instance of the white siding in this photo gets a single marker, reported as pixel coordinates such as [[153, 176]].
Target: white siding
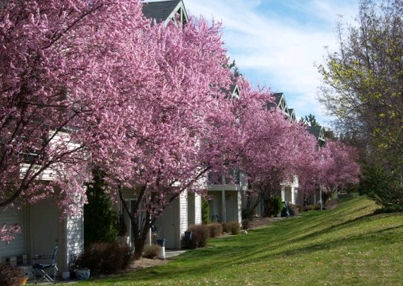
[[18, 245], [194, 209], [173, 222], [75, 238], [45, 175], [183, 217], [198, 209]]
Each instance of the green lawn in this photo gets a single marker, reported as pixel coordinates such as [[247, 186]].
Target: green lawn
[[345, 246]]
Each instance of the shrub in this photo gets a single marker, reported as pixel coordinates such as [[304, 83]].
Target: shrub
[[299, 208], [226, 227], [317, 207], [383, 186], [294, 210], [245, 223], [151, 251], [215, 229], [9, 275], [105, 258], [272, 206], [308, 208], [200, 234], [234, 227]]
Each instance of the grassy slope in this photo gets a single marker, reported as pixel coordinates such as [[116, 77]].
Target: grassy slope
[[345, 246]]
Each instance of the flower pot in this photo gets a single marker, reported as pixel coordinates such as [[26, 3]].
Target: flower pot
[[83, 274], [66, 275], [23, 280]]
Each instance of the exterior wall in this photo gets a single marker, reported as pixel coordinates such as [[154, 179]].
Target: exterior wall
[[74, 239], [287, 194], [215, 204], [41, 230], [173, 222], [18, 245], [47, 230], [45, 227], [194, 209], [226, 198], [232, 207], [258, 211], [183, 219], [227, 205]]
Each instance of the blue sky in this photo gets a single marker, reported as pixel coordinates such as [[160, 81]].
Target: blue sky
[[276, 43]]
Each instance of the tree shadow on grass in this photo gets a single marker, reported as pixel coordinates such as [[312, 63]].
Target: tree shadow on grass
[[261, 245], [191, 268]]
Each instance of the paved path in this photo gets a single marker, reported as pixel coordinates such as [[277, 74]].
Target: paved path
[[173, 253]]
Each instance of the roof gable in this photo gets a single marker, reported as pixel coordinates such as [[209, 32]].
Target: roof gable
[[279, 102], [318, 132], [165, 11], [232, 92], [291, 113]]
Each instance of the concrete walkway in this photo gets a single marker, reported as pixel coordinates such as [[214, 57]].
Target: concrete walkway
[[173, 253]]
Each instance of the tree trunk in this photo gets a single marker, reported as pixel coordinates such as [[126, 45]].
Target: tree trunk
[[140, 234], [138, 248], [250, 208]]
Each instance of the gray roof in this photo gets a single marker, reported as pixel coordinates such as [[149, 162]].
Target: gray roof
[[317, 131], [161, 10], [278, 96]]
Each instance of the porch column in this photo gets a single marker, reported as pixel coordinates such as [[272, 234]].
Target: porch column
[[282, 193], [320, 198], [293, 195], [223, 207], [149, 238], [239, 203]]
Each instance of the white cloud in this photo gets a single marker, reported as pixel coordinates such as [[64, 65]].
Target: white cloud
[[278, 46]]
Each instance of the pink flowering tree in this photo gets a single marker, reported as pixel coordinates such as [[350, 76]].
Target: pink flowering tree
[[57, 99], [7, 233], [340, 167], [334, 166], [40, 105], [170, 114], [272, 146]]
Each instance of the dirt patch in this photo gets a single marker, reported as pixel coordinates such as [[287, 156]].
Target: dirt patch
[[262, 221], [146, 263], [332, 204]]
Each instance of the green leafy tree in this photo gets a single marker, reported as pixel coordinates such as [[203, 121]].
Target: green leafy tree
[[309, 120], [205, 211], [363, 85], [100, 219], [363, 80], [383, 186]]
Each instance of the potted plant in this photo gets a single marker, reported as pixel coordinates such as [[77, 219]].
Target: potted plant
[[11, 275], [83, 274], [79, 272]]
